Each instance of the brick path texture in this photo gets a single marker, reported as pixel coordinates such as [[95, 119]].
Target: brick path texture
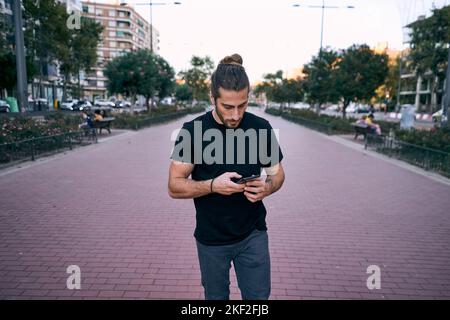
[[345, 225]]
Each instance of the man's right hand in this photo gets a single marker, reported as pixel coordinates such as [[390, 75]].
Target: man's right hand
[[224, 185]]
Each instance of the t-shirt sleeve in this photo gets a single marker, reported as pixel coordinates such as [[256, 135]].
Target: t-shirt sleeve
[[274, 153], [183, 149]]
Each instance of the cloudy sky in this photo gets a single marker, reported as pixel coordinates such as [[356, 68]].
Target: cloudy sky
[[274, 35]]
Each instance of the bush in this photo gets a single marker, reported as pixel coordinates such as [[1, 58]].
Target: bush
[[273, 111], [438, 139], [21, 128]]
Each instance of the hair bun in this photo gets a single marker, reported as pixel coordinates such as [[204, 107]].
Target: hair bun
[[233, 59]]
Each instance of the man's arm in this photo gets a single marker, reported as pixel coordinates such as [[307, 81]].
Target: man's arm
[[275, 178], [257, 190], [180, 187]]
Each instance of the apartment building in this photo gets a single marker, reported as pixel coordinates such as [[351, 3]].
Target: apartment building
[[124, 31]]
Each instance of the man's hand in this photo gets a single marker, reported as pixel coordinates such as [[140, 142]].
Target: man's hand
[[224, 185], [256, 190]]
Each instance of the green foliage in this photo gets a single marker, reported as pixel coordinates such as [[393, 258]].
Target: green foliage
[[20, 128], [140, 72], [279, 89], [429, 42], [438, 139], [320, 78], [197, 77], [359, 72], [82, 49], [183, 92]]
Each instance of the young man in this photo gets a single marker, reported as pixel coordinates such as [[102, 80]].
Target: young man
[[230, 216]]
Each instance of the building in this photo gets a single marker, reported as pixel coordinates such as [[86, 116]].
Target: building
[[418, 89], [124, 31]]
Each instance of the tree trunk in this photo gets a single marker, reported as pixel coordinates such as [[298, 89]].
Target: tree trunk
[[346, 103], [79, 86], [318, 108]]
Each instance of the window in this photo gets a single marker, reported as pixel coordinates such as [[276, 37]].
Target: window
[[112, 13], [91, 9], [112, 34], [111, 23], [85, 9], [98, 12], [112, 44], [120, 34]]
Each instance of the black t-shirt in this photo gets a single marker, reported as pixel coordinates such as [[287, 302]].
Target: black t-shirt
[[225, 219]]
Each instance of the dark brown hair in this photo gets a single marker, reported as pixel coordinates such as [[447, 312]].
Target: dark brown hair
[[229, 75]]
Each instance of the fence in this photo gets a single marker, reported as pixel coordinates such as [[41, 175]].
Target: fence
[[426, 158], [35, 147]]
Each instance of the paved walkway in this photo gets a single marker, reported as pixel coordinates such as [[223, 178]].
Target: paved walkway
[[105, 208]]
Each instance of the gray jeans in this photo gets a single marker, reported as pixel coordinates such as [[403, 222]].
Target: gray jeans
[[251, 262]]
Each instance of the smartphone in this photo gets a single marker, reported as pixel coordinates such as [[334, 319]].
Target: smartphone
[[250, 178]]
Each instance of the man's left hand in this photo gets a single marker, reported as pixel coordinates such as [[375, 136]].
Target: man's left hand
[[256, 190]]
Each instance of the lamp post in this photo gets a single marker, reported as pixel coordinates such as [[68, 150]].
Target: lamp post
[[21, 68], [323, 7], [151, 4]]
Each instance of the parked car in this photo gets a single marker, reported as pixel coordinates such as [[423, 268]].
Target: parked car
[[82, 105], [437, 116], [122, 104], [104, 103], [4, 107], [69, 104]]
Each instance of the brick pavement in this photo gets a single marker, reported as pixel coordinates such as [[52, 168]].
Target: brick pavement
[[105, 208]]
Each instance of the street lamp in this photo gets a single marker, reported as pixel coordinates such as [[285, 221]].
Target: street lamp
[[151, 4], [323, 7], [21, 68]]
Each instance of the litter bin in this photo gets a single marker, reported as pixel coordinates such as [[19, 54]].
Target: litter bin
[[40, 104], [408, 115], [12, 104]]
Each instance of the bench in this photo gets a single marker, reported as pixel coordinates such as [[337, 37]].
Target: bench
[[361, 129], [105, 123]]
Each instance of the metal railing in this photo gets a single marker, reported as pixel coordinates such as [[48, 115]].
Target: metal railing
[[426, 158], [35, 147]]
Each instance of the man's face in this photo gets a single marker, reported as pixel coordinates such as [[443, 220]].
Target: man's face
[[231, 105]]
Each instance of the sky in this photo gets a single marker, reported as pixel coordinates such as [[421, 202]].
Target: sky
[[274, 35]]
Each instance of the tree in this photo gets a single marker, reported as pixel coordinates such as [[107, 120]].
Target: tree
[[387, 92], [140, 72], [279, 89], [8, 57], [319, 82], [359, 72], [82, 53], [429, 47], [183, 92], [46, 35], [197, 77]]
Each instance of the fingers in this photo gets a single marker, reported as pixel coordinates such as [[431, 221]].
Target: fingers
[[255, 183], [254, 189], [234, 175], [252, 197]]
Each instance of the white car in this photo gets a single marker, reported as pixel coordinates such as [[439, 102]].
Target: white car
[[104, 103], [437, 116], [68, 104]]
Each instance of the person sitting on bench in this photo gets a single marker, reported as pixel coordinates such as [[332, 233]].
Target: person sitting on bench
[[375, 127], [97, 115]]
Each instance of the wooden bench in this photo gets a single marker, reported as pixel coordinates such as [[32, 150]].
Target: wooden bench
[[105, 123], [361, 129]]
